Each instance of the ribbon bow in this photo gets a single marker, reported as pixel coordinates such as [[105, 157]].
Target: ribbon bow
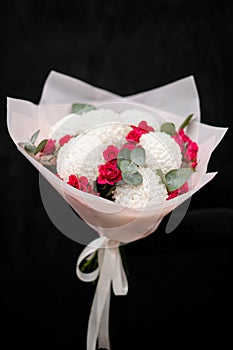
[[110, 271]]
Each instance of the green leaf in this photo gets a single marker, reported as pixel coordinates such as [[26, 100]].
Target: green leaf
[[186, 122], [34, 137], [162, 176], [128, 167], [133, 179], [80, 108], [168, 128], [123, 155], [40, 147], [176, 178], [138, 156], [29, 148]]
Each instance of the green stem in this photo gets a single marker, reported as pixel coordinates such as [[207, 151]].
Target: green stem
[[90, 264], [186, 122]]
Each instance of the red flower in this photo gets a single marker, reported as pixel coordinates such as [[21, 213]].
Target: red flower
[[191, 154], [110, 152], [183, 189], [81, 184], [178, 138], [135, 134], [188, 148], [143, 125], [64, 139], [109, 173], [49, 148], [73, 181]]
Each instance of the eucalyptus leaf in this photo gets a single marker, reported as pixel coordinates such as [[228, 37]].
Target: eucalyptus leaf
[[186, 122], [128, 167], [138, 156], [40, 147], [176, 178], [80, 108], [124, 154], [29, 148], [168, 128], [34, 137], [133, 179]]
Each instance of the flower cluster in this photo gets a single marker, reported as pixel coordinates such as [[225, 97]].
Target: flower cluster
[[131, 164], [81, 183], [189, 149]]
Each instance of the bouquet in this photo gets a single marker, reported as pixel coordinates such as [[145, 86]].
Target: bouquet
[[121, 166]]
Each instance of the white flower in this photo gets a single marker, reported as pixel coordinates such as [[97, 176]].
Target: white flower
[[80, 156], [84, 153], [73, 124], [112, 133], [162, 151], [150, 191]]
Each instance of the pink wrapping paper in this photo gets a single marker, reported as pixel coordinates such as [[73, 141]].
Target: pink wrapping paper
[[108, 219]]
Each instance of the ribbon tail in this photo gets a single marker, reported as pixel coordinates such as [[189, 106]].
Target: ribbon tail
[[110, 271], [98, 320], [94, 324], [103, 340]]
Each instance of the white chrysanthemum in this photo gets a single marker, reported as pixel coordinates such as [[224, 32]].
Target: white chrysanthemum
[[73, 124], [135, 116], [113, 133], [82, 154], [150, 191], [162, 151]]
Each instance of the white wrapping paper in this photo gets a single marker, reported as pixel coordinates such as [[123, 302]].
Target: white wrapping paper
[[113, 223]]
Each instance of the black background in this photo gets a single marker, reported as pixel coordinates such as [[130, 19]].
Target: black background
[[180, 284]]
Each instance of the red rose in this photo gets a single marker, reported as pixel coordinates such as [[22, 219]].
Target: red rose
[[49, 148], [64, 139], [135, 134], [190, 155], [81, 184], [188, 148], [109, 173], [143, 125], [110, 152], [73, 181]]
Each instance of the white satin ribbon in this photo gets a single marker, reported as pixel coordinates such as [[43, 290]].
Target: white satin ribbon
[[110, 271]]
